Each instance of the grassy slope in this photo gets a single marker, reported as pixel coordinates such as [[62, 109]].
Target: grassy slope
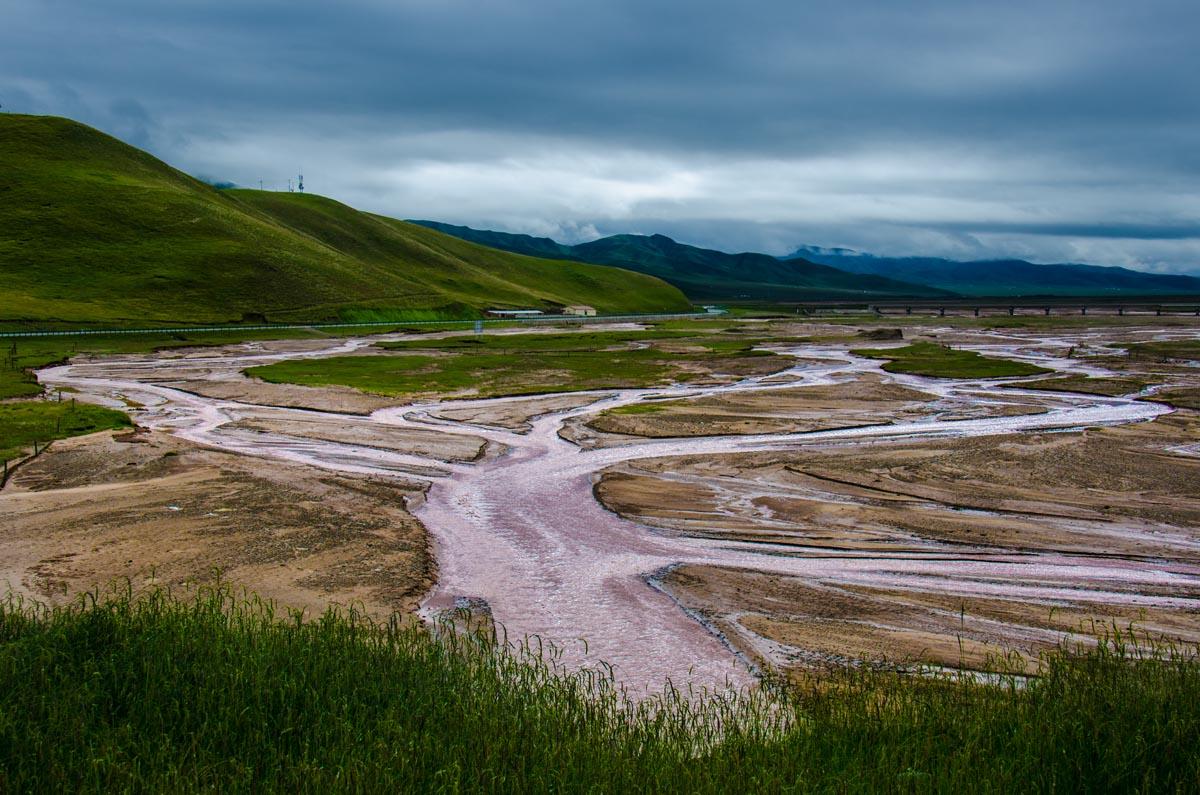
[[939, 361], [155, 694], [94, 230]]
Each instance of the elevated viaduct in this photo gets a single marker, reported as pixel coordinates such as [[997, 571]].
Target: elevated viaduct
[[977, 307]]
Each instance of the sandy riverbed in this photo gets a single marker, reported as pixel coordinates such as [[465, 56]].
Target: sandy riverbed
[[743, 515], [152, 507]]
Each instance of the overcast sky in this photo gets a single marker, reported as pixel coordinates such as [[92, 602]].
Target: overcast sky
[[1057, 131]]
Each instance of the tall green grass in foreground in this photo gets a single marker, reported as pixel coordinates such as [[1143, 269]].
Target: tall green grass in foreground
[[152, 692]]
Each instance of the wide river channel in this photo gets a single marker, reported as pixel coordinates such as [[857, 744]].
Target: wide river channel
[[521, 529]]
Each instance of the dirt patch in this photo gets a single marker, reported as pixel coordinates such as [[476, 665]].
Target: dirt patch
[[416, 441], [1085, 385], [248, 390], [825, 623], [515, 414], [869, 399], [1086, 492], [96, 508], [865, 401], [1183, 398], [1123, 497]]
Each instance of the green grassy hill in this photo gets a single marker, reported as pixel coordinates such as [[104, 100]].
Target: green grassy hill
[[94, 230]]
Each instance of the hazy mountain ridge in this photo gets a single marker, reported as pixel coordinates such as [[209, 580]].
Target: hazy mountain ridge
[[706, 274], [998, 277]]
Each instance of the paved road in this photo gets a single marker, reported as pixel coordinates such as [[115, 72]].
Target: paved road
[[376, 324]]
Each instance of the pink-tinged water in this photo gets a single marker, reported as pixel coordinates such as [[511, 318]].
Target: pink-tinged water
[[523, 530]]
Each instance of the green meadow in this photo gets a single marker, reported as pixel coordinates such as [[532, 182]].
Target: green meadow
[[940, 361], [524, 364], [26, 422], [213, 690], [1163, 350]]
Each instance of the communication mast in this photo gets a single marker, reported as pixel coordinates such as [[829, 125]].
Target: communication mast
[[300, 181]]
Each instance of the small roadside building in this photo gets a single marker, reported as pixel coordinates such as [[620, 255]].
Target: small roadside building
[[580, 310]]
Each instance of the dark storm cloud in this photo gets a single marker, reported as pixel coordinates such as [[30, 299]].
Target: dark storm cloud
[[1028, 126]]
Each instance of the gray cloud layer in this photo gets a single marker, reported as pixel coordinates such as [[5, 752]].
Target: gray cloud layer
[[1047, 130]]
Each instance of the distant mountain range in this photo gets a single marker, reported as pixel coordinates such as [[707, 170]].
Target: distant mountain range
[[1003, 277], [815, 273], [704, 274]]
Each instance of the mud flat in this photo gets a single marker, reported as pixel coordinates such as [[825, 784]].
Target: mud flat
[[1119, 496], [337, 400], [151, 507], [1184, 398], [513, 414], [866, 400], [419, 442], [804, 625], [1089, 385]]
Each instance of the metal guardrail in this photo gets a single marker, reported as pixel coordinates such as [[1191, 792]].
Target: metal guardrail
[[371, 324]]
